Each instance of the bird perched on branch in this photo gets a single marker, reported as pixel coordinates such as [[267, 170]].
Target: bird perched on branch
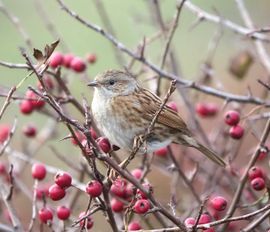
[[123, 110]]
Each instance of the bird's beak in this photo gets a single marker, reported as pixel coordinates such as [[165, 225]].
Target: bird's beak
[[93, 84]]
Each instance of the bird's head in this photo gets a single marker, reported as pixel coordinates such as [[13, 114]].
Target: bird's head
[[114, 83]]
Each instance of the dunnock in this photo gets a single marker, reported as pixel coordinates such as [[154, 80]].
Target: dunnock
[[123, 110]]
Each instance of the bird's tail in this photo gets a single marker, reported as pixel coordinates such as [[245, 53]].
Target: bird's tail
[[210, 154]]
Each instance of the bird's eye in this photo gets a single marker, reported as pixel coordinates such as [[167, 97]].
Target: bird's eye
[[111, 82]]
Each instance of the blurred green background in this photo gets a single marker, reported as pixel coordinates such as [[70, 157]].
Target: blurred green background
[[131, 20]]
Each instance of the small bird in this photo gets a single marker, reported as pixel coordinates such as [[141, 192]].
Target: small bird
[[123, 110]]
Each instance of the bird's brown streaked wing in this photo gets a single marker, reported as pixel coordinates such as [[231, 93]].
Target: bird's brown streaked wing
[[167, 117]]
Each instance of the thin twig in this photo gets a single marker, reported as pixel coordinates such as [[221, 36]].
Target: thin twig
[[12, 212], [203, 15], [169, 39], [34, 207], [256, 222], [7, 101]]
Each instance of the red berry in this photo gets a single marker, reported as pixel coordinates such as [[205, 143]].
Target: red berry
[[218, 203], [263, 153], [129, 192], [212, 109], [236, 132], [91, 58], [137, 173], [56, 193], [255, 172], [173, 106], [42, 190], [104, 144], [3, 169], [67, 60], [4, 132], [189, 222], [141, 206], [63, 212], [206, 109], [134, 226], [39, 171], [45, 215], [56, 59], [162, 152], [79, 135], [94, 188], [36, 101], [258, 183], [47, 82], [201, 109], [29, 130], [77, 64], [87, 222], [63, 179], [232, 117], [147, 187], [118, 187], [26, 107], [117, 205], [204, 218], [93, 133]]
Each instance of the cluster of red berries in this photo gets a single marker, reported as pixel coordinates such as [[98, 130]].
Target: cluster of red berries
[[122, 194], [232, 119], [256, 176], [57, 191], [125, 195], [32, 101], [62, 181], [216, 204], [45, 214], [77, 64], [102, 142]]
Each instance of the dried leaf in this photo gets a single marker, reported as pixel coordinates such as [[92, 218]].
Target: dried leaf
[[49, 49], [42, 59], [38, 55]]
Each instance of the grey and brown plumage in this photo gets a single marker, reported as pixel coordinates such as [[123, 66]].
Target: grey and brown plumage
[[122, 110]]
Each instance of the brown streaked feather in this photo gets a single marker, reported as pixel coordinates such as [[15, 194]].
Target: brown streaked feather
[[167, 117]]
